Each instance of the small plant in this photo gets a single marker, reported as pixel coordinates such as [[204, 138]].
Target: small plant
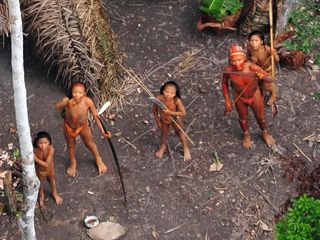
[[302, 221], [306, 22], [316, 95], [220, 8]]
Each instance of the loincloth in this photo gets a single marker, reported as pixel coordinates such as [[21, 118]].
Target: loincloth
[[74, 132], [248, 101]]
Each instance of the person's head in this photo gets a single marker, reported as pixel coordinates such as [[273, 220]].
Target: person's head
[[170, 89], [78, 90], [42, 140], [237, 57], [256, 39]]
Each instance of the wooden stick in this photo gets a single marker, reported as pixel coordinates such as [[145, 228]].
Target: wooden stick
[[271, 38], [302, 152]]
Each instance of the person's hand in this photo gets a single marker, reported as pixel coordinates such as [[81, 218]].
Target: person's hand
[[72, 102], [167, 111], [260, 75], [107, 134], [228, 106]]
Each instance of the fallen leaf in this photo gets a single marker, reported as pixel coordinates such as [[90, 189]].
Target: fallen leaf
[[154, 233], [264, 226], [112, 116], [216, 166], [3, 174]]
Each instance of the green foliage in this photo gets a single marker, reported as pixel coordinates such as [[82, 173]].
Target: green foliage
[[16, 154], [306, 22], [302, 221], [316, 95], [220, 8]]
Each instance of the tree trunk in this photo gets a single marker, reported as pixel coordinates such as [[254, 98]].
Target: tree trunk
[[30, 180]]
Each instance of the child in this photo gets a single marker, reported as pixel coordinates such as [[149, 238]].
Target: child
[[244, 76], [76, 123], [260, 54], [43, 156], [170, 96]]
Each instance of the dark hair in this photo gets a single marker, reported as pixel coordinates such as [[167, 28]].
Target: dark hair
[[76, 84], [40, 135], [259, 34], [173, 83]]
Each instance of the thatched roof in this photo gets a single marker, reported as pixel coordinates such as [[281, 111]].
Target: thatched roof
[[75, 38]]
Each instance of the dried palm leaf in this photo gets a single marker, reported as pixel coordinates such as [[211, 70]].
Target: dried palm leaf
[[75, 36], [4, 18]]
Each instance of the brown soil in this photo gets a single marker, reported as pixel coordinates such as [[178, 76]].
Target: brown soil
[[170, 198]]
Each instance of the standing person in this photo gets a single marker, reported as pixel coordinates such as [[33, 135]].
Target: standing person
[[76, 123], [244, 77], [260, 54], [170, 97], [43, 156]]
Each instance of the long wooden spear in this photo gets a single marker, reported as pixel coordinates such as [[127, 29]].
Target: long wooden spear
[[271, 38]]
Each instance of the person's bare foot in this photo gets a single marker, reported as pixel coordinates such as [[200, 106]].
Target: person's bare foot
[[186, 154], [41, 199], [246, 142], [57, 198], [267, 138], [72, 169], [161, 151], [102, 168]]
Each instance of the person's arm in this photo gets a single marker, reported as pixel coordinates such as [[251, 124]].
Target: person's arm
[[95, 115], [48, 161], [226, 94], [60, 105], [260, 73], [181, 110], [274, 53]]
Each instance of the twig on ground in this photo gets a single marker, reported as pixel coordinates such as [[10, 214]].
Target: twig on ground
[[302, 152], [140, 136], [129, 143], [147, 203], [162, 66], [208, 201], [172, 158], [193, 100], [175, 228], [267, 200]]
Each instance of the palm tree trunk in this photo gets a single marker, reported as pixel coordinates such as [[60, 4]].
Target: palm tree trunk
[[30, 180]]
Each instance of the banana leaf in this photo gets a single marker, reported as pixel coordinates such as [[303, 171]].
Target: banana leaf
[[220, 8], [212, 7]]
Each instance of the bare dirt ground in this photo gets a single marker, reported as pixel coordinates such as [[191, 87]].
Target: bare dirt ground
[[170, 198]]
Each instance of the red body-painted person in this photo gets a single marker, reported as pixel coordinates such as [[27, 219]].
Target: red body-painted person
[[244, 77]]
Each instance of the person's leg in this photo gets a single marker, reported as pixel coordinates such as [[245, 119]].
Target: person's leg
[[71, 142], [53, 186], [271, 88], [259, 113], [87, 138], [164, 139], [242, 110], [41, 192], [183, 139]]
